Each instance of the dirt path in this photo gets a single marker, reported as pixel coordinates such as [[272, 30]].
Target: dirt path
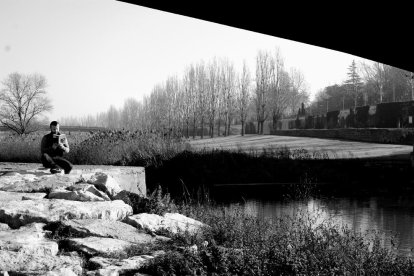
[[334, 148]]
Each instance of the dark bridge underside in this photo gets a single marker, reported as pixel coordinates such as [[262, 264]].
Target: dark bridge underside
[[379, 32]]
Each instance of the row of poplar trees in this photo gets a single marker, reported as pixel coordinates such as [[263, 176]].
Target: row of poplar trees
[[209, 98]]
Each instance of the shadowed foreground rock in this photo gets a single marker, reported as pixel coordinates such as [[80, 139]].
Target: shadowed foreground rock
[[19, 213], [109, 229], [52, 224], [27, 251]]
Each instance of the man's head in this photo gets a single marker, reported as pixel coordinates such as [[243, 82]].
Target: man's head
[[54, 126]]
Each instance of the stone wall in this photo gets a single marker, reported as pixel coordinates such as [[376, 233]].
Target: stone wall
[[374, 135]]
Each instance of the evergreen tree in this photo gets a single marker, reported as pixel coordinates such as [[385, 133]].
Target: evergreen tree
[[353, 82]]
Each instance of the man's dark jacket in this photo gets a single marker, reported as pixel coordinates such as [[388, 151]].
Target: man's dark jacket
[[46, 146]]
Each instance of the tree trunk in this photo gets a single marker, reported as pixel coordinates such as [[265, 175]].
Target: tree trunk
[[242, 130], [194, 128], [202, 127], [218, 126]]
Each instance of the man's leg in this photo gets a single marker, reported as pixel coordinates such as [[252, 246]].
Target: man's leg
[[48, 161], [63, 163]]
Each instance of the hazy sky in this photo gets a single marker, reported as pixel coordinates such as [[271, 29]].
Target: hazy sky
[[95, 53]]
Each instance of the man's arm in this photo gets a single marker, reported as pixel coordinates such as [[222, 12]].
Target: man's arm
[[44, 147]]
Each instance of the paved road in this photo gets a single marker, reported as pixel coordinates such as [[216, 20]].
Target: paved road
[[334, 148]]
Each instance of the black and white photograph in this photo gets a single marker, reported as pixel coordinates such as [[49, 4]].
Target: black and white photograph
[[184, 139]]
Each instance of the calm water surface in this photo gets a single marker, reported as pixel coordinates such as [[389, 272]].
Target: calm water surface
[[390, 215]]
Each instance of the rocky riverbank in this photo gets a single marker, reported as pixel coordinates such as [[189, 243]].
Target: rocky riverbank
[[86, 223]]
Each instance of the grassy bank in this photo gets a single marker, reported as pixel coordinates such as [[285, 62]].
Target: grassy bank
[[235, 243], [122, 148], [240, 244]]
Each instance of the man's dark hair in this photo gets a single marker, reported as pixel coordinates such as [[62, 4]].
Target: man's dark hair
[[54, 123]]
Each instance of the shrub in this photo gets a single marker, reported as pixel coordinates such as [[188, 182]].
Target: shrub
[[240, 244]]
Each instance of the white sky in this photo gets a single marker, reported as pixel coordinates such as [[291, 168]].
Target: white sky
[[95, 53]]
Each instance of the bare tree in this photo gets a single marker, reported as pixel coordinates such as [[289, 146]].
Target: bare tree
[[228, 82], [376, 74], [299, 92], [264, 69], [280, 89], [22, 100], [213, 85], [243, 95], [129, 113], [201, 95]]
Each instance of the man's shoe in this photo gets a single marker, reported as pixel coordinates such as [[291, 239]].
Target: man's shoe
[[55, 171]]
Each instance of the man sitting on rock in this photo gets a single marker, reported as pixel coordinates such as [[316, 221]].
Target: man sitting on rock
[[52, 149]]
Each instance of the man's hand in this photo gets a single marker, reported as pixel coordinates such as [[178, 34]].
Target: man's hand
[[54, 146]]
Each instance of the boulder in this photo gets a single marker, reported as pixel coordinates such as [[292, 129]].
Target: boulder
[[20, 177], [98, 246], [105, 183], [138, 203], [88, 188], [27, 251], [29, 239], [10, 196], [30, 183], [109, 229], [109, 265], [74, 195], [171, 222], [4, 226], [130, 179], [34, 264], [19, 213], [61, 272]]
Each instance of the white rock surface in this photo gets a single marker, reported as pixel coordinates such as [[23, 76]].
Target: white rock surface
[[98, 246], [10, 196], [29, 239], [61, 272], [74, 195], [88, 188], [109, 229], [109, 265], [105, 182], [18, 213], [170, 222], [20, 177], [29, 183], [4, 226], [34, 264]]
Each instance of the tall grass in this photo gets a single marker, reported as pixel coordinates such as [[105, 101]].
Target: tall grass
[[97, 148]]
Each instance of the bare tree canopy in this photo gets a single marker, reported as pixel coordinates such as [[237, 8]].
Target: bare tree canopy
[[22, 100]]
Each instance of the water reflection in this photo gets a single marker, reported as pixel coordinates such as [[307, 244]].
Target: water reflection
[[388, 215]]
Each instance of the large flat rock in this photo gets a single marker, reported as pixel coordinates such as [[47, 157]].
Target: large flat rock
[[109, 229], [10, 196], [98, 245], [34, 264], [27, 177], [19, 213], [26, 251], [105, 266], [171, 222], [29, 239]]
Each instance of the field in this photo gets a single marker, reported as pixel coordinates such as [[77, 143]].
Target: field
[[333, 148]]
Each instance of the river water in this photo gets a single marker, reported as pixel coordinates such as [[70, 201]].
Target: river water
[[390, 215]]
